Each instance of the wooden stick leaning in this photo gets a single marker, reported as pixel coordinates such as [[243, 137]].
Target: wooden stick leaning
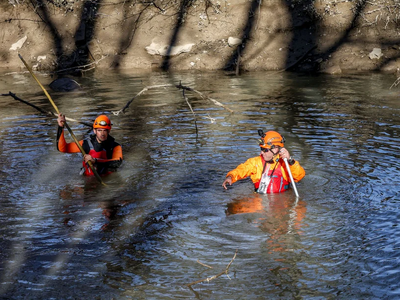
[[208, 279], [65, 124], [291, 177]]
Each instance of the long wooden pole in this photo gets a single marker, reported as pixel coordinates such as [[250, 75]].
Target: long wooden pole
[[291, 178], [66, 125]]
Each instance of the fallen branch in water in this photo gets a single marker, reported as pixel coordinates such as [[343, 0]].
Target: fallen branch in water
[[207, 266], [191, 109], [204, 97], [116, 113], [396, 83], [212, 120], [208, 279], [179, 86], [49, 113], [82, 67]]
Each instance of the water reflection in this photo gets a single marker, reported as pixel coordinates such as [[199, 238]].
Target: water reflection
[[278, 215], [64, 236]]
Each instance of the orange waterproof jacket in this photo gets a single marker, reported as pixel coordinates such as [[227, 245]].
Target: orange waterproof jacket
[[254, 167], [108, 153]]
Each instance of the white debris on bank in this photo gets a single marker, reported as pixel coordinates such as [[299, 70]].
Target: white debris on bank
[[232, 41], [39, 59], [157, 49], [19, 44], [376, 53]]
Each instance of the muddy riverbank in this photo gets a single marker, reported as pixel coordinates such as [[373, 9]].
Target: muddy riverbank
[[235, 35]]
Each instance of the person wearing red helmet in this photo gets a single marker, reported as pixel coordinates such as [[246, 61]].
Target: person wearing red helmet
[[268, 171], [100, 148]]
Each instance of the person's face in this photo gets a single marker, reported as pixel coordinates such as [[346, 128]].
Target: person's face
[[101, 134], [269, 154]]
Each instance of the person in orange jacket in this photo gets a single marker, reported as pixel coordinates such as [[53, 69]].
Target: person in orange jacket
[[100, 148], [268, 170]]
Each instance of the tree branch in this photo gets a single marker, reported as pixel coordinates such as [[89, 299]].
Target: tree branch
[[179, 86], [208, 279], [204, 97], [116, 113], [194, 115], [49, 113]]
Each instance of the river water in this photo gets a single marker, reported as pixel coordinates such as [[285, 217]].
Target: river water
[[163, 222]]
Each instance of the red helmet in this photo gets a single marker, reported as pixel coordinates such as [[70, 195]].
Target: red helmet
[[102, 121], [271, 139]]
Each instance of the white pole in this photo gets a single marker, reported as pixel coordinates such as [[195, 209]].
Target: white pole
[[291, 177]]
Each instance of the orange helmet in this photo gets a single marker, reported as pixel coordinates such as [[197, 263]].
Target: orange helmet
[[102, 121], [271, 139]]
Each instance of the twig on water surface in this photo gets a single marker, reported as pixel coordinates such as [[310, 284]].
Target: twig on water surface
[[208, 279], [180, 86], [49, 113], [137, 95], [81, 67], [204, 97], [194, 115], [211, 119], [396, 83], [207, 266]]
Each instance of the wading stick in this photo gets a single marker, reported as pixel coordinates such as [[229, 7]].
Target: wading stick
[[291, 177], [66, 125]]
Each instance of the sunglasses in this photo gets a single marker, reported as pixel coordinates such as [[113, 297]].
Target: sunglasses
[[270, 149]]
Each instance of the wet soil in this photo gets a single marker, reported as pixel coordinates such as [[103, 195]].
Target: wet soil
[[234, 35]]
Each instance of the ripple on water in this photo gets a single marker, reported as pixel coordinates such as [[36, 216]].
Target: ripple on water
[[147, 236]]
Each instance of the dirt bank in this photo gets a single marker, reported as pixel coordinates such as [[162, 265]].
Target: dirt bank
[[236, 35]]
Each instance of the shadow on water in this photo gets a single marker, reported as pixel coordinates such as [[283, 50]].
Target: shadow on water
[[165, 211]]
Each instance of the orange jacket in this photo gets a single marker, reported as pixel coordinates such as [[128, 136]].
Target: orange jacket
[[253, 167], [108, 154]]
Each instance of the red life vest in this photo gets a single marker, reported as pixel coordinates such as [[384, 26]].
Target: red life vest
[[101, 154], [278, 184]]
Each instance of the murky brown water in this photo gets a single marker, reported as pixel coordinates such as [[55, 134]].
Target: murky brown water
[[63, 236]]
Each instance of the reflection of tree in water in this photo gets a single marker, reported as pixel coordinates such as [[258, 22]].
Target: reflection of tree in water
[[142, 233], [75, 200], [281, 216]]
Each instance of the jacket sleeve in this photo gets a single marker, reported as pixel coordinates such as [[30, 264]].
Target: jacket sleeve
[[65, 147], [115, 161], [243, 170], [298, 171]]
